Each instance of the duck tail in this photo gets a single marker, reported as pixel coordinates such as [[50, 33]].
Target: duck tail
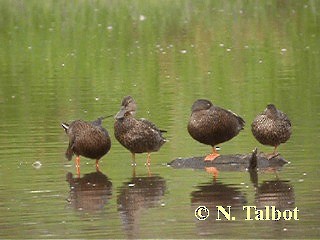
[[65, 126], [241, 122], [98, 122]]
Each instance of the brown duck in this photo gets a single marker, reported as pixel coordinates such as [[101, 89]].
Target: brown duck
[[272, 127], [211, 125], [88, 139], [136, 135]]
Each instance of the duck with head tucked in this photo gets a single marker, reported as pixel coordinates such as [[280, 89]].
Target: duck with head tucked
[[272, 127], [211, 125], [136, 135], [88, 139]]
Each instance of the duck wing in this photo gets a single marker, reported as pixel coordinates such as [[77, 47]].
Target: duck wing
[[229, 113], [152, 125]]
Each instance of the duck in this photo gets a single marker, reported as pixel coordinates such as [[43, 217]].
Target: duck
[[87, 139], [272, 127], [136, 135], [212, 125]]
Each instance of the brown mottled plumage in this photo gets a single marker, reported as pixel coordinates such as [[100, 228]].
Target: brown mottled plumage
[[88, 139], [272, 127], [211, 125], [136, 135]]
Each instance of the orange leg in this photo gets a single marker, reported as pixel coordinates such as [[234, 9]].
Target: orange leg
[[212, 156], [133, 158], [149, 171], [275, 150], [97, 165], [78, 165], [274, 154], [133, 171], [148, 163]]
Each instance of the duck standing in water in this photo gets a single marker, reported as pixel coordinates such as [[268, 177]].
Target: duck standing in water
[[88, 139], [136, 135], [272, 127], [211, 125]]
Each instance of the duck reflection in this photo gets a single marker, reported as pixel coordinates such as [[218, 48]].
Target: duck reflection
[[137, 195], [276, 193], [217, 194], [89, 193]]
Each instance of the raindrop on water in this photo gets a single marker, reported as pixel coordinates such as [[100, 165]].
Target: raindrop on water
[[142, 17], [37, 164]]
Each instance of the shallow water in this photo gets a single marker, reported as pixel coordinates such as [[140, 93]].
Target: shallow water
[[62, 61]]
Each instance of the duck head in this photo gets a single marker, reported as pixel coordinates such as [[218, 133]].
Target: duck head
[[201, 104], [128, 107], [271, 110]]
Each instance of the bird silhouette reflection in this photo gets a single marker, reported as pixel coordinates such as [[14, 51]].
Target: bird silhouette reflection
[[89, 193], [135, 197], [276, 193], [217, 194], [214, 194]]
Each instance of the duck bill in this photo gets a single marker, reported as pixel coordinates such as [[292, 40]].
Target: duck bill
[[121, 113]]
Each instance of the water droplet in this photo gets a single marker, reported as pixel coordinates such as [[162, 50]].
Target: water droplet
[[142, 17], [183, 51], [97, 98], [221, 45], [300, 180], [285, 229], [62, 64], [109, 27], [228, 50], [37, 164]]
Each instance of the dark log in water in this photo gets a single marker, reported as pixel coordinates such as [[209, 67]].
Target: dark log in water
[[236, 162]]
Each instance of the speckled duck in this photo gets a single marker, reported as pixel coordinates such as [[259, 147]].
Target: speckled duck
[[87, 139], [136, 135], [212, 125], [272, 127]]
